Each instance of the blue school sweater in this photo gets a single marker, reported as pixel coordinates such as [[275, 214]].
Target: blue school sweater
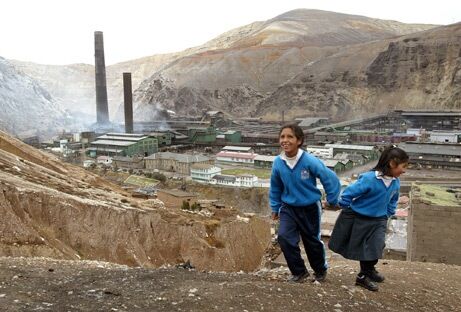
[[369, 196], [298, 186]]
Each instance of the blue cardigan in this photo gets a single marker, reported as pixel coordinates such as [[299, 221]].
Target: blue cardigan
[[369, 196], [298, 186]]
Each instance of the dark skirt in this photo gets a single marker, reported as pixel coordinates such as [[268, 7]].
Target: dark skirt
[[358, 237]]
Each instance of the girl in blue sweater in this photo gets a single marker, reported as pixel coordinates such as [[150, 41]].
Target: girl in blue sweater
[[295, 200], [359, 232]]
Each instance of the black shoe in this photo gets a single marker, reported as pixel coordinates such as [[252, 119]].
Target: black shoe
[[299, 278], [375, 276], [320, 276], [366, 282]]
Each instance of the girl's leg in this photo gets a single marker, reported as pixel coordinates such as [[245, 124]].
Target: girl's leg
[[309, 225], [288, 238], [363, 278], [367, 267]]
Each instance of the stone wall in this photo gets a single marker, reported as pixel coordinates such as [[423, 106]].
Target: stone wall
[[434, 223]]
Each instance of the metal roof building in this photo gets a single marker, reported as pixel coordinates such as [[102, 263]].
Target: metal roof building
[[123, 144]]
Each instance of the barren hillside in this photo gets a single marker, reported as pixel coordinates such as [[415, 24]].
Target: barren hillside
[[26, 108], [61, 211], [416, 71], [236, 78]]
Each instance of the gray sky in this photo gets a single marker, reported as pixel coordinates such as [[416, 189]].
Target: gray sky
[[61, 31]]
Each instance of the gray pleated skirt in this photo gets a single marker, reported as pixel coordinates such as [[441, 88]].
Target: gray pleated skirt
[[358, 237]]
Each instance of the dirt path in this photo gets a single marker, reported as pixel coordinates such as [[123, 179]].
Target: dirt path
[[49, 285]]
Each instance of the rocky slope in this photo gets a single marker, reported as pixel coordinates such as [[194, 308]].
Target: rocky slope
[[58, 210], [236, 78], [25, 107], [73, 85], [420, 70]]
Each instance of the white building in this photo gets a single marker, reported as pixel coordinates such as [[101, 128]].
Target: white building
[[235, 157], [239, 149], [416, 131], [445, 136], [245, 180], [204, 172], [105, 160], [320, 151]]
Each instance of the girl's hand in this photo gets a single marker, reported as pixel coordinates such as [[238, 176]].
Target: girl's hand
[[275, 216], [326, 205]]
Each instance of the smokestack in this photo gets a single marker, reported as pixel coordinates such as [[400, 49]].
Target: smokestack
[[128, 100], [102, 110]]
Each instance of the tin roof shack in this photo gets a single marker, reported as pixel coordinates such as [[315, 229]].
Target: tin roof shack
[[335, 165], [174, 198], [433, 224]]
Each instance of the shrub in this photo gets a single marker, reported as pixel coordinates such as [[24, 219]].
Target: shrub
[[185, 205]]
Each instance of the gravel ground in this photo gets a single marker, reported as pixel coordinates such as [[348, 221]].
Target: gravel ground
[[39, 284]]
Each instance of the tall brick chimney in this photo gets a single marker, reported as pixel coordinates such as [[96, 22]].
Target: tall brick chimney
[[128, 102], [102, 108]]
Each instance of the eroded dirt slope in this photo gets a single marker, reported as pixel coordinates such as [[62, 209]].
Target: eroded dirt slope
[[58, 210]]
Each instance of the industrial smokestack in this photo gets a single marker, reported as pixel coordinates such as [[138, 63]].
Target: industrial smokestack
[[102, 110], [128, 101]]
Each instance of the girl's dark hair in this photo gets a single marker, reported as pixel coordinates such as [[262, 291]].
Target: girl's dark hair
[[298, 132], [391, 152]]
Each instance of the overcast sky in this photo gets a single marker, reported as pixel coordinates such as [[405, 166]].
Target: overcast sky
[[62, 31]]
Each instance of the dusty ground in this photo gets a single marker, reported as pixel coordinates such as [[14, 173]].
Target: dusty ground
[[40, 284]]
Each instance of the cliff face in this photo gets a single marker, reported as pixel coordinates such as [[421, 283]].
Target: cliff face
[[426, 67], [414, 71], [57, 210], [25, 106]]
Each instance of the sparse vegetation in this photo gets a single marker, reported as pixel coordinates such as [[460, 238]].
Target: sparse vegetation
[[187, 206], [156, 175], [140, 181], [260, 173]]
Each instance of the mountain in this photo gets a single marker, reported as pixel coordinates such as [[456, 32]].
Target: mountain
[[257, 61], [25, 107], [239, 72], [416, 71]]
